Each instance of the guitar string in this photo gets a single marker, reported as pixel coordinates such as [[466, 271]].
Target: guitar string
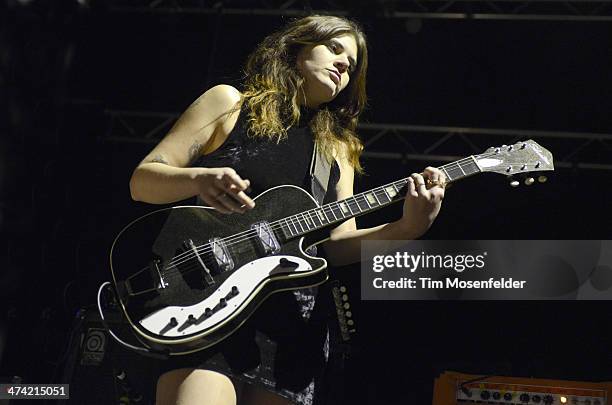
[[375, 191], [275, 225], [204, 249], [290, 222], [328, 208]]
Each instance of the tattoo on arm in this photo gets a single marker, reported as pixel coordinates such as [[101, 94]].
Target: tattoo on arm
[[158, 159], [196, 102], [194, 150]]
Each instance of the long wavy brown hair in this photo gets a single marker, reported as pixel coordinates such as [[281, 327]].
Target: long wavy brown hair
[[273, 83]]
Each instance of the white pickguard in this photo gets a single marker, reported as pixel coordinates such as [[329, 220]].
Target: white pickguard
[[247, 278]]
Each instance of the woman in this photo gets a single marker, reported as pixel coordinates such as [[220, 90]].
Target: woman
[[303, 83]]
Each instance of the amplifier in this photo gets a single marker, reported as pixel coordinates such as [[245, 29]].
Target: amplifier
[[100, 371], [453, 388]]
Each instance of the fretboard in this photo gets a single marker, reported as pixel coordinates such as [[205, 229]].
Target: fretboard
[[363, 203]]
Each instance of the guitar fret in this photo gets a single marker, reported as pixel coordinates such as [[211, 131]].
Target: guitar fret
[[448, 177], [471, 167], [313, 219], [348, 204], [297, 219], [284, 229], [375, 196], [335, 207], [344, 207], [386, 199], [360, 205], [454, 172], [308, 221], [391, 192], [305, 222], [341, 211], [326, 217], [369, 199], [289, 225], [403, 185], [321, 217], [460, 169], [333, 213], [293, 221], [354, 206], [386, 194]]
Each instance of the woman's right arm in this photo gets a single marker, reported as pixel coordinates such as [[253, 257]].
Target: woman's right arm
[[164, 177]]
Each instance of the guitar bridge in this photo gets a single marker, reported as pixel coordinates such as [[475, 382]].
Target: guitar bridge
[[148, 279], [205, 271], [267, 240]]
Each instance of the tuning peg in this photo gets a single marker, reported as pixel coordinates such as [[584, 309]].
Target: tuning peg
[[542, 179], [513, 182], [529, 181]]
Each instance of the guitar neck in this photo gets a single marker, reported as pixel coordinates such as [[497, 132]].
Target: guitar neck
[[363, 203]]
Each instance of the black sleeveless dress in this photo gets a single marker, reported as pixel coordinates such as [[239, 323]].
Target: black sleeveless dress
[[284, 346]]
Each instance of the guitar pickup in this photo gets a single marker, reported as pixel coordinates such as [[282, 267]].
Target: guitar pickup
[[220, 254], [267, 241]]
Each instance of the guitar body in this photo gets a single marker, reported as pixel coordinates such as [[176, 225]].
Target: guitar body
[[187, 277]]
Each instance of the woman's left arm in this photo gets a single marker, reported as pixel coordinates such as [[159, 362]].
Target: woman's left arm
[[421, 207]]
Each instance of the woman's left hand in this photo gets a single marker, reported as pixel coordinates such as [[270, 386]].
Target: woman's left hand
[[423, 201]]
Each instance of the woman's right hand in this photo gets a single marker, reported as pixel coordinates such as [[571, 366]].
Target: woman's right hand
[[224, 190]]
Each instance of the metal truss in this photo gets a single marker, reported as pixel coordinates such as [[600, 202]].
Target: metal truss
[[577, 10], [573, 150]]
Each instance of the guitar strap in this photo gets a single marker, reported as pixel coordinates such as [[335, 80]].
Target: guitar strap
[[320, 170], [320, 173]]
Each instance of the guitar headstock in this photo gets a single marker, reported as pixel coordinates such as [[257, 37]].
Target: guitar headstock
[[522, 157]]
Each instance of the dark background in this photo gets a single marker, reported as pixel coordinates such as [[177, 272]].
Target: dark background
[[64, 174]]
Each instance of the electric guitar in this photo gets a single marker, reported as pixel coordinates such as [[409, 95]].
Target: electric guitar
[[187, 277]]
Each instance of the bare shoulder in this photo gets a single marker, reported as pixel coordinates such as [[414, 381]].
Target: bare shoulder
[[222, 104], [204, 124], [209, 110], [221, 97]]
